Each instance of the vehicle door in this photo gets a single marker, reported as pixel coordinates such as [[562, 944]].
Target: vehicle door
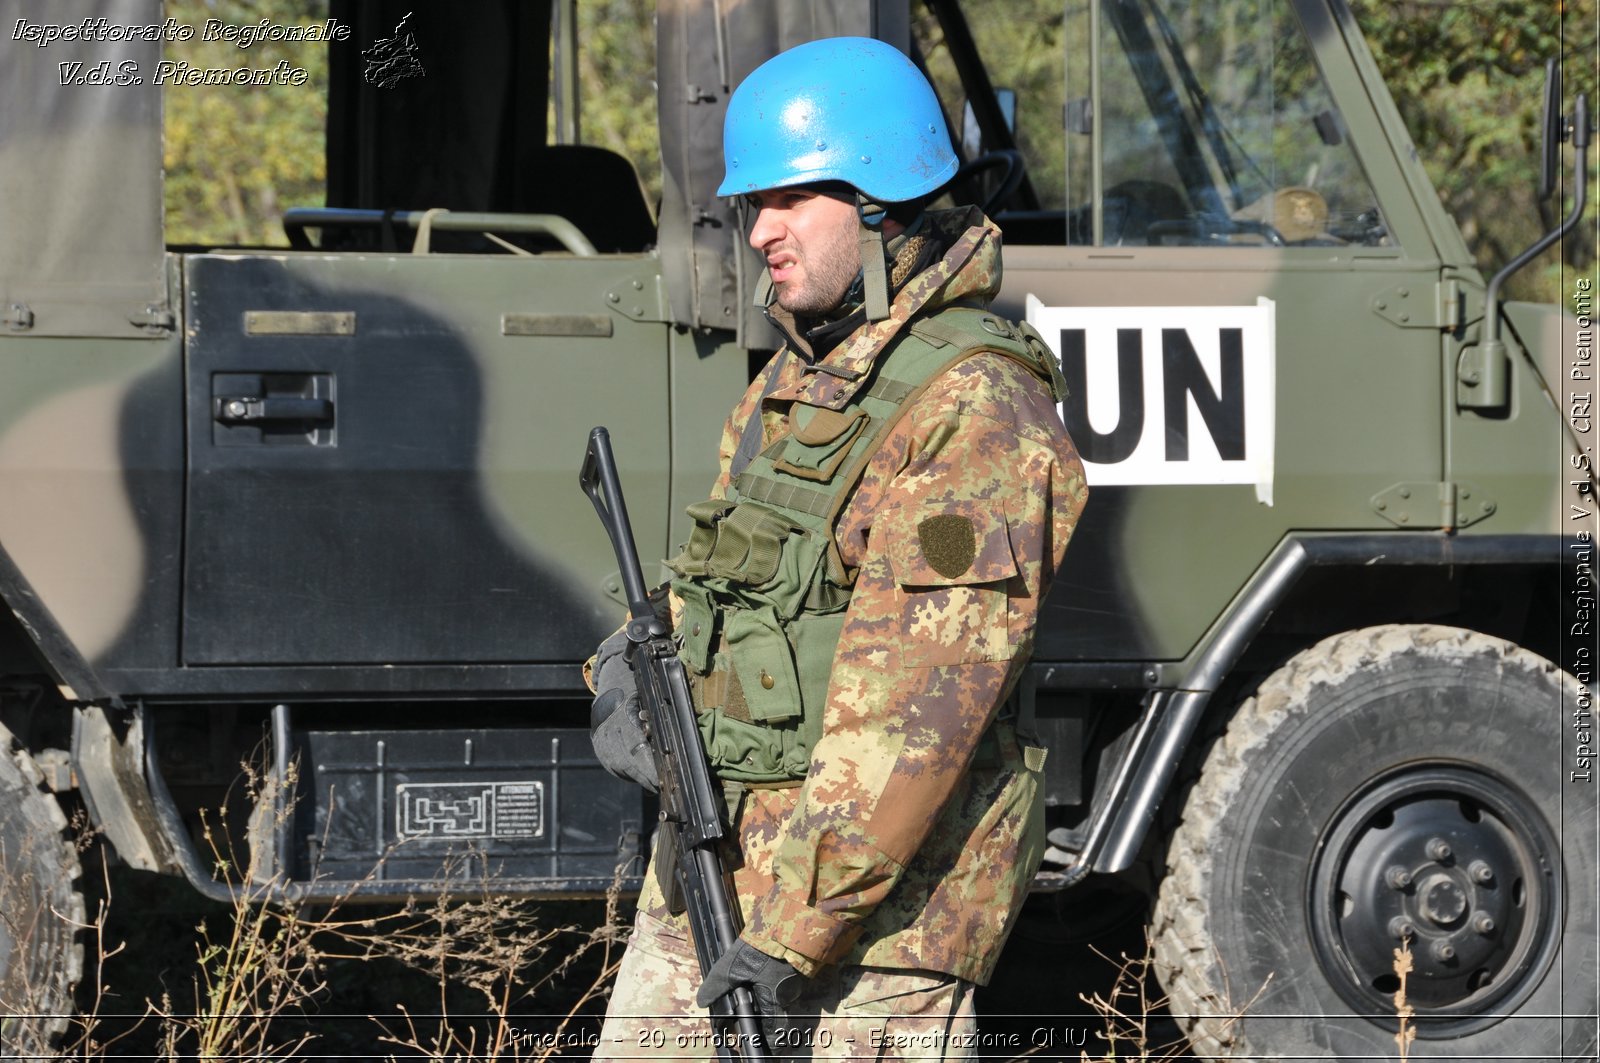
[[383, 455], [1246, 301]]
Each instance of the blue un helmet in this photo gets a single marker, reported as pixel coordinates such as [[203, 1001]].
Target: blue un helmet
[[849, 109]]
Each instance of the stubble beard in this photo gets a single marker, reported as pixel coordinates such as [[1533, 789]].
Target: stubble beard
[[827, 276]]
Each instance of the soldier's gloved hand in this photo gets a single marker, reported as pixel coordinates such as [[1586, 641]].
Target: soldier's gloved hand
[[614, 725], [774, 983]]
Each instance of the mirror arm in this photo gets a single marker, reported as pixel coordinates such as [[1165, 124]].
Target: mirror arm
[[1488, 371]]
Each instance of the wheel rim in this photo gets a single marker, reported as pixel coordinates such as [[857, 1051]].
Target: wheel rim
[[1460, 863]]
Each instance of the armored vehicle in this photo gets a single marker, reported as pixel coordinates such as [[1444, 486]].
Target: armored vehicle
[[1316, 677]]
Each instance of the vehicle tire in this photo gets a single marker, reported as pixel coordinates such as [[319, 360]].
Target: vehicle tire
[[41, 910], [1397, 779]]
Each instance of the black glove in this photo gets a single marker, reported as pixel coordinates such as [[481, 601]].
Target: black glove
[[614, 725], [775, 983]]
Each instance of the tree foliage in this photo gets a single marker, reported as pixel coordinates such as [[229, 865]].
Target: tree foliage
[[617, 95], [238, 155], [1468, 78]]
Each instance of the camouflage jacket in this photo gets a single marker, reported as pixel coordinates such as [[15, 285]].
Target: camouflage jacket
[[912, 840]]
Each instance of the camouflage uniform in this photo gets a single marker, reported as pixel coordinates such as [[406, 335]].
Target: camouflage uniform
[[911, 841]]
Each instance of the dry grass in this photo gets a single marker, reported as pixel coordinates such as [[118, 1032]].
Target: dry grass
[[259, 976], [262, 971], [1129, 1016]]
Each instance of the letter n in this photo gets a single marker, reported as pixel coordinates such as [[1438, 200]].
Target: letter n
[[1222, 410], [1104, 448]]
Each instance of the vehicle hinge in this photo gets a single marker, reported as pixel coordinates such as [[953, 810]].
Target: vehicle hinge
[[640, 299], [154, 318], [1452, 304], [1431, 504], [19, 317], [1413, 305]]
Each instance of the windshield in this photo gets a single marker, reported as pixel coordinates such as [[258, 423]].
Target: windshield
[[1212, 127]]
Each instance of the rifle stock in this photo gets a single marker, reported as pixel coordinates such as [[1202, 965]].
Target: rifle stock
[[691, 801]]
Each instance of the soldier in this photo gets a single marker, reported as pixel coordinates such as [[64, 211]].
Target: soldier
[[858, 597]]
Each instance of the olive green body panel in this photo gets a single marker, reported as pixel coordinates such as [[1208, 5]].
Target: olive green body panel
[[91, 490], [1523, 463], [163, 541], [77, 130], [1357, 408], [1367, 336]]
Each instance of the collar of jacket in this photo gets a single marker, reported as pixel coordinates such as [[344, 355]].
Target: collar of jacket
[[968, 270]]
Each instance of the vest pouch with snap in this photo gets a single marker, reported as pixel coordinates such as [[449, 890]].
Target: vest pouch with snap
[[697, 626], [764, 663], [820, 441]]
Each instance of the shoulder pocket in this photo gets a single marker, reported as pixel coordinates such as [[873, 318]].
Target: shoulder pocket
[[953, 567]]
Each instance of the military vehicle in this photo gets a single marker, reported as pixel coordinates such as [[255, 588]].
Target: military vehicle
[[1317, 672]]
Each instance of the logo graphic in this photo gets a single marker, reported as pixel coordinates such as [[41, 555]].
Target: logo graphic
[[393, 59], [470, 810], [1168, 394]]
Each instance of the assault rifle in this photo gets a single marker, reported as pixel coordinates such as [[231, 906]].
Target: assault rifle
[[691, 801]]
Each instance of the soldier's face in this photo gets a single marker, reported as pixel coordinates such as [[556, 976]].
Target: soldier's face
[[811, 246]]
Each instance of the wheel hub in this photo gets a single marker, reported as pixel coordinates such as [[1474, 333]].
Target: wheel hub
[[1443, 901], [1459, 866]]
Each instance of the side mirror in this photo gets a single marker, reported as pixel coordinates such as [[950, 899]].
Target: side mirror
[[1552, 130]]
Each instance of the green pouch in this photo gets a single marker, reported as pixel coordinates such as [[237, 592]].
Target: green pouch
[[750, 544], [743, 752], [764, 663], [707, 515], [820, 442], [696, 629]]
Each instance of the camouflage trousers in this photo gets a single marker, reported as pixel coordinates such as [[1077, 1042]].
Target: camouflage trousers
[[848, 1013]]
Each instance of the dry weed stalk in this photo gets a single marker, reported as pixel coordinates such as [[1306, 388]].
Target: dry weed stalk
[[267, 965], [487, 943], [83, 1039], [1125, 1012], [1402, 969]]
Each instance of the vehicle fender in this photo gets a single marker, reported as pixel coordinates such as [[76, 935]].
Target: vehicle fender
[[1175, 719]]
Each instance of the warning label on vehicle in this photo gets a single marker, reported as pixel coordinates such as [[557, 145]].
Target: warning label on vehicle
[[470, 810], [1168, 394]]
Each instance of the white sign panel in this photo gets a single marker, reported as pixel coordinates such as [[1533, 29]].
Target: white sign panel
[[1168, 394]]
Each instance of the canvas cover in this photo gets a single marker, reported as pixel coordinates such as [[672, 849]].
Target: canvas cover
[[80, 174], [466, 133]]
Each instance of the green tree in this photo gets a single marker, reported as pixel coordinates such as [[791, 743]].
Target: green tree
[[237, 155], [617, 86], [1468, 78]]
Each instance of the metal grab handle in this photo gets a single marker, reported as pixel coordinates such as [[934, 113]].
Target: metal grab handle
[[296, 220]]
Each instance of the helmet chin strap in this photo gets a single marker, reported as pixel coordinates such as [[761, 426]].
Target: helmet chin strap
[[874, 268]]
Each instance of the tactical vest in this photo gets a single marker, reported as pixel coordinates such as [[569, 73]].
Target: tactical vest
[[763, 586]]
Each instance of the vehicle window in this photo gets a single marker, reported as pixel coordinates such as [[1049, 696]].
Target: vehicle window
[[1214, 129], [1029, 64], [616, 85], [244, 115]]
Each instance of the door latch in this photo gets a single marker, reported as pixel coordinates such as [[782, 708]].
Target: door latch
[[274, 409]]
